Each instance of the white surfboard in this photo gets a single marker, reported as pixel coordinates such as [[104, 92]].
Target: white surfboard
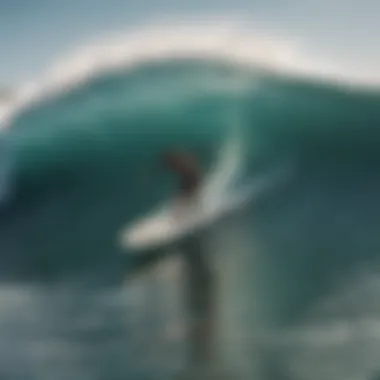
[[182, 218], [175, 221], [215, 201]]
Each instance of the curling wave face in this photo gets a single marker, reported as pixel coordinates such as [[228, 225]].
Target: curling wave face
[[78, 139]]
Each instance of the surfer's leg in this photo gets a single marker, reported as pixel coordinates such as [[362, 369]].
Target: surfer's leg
[[201, 303]]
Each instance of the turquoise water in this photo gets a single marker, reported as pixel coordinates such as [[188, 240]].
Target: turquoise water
[[75, 167]]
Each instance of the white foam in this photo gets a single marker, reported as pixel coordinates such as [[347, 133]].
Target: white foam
[[225, 41]]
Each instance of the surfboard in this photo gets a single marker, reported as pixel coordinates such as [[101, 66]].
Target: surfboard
[[181, 218], [217, 199]]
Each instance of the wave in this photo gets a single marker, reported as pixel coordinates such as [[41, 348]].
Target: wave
[[77, 157]]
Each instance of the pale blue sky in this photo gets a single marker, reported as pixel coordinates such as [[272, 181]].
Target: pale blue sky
[[33, 32]]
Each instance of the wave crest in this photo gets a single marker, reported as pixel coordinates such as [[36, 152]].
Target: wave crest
[[230, 44]]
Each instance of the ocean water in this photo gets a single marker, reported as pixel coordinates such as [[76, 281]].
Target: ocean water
[[297, 270]]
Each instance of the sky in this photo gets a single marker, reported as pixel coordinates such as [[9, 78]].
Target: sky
[[33, 33]]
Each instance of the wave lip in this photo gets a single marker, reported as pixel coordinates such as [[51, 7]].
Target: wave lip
[[227, 43]]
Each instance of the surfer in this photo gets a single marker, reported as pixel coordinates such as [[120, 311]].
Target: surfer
[[184, 165], [199, 277]]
